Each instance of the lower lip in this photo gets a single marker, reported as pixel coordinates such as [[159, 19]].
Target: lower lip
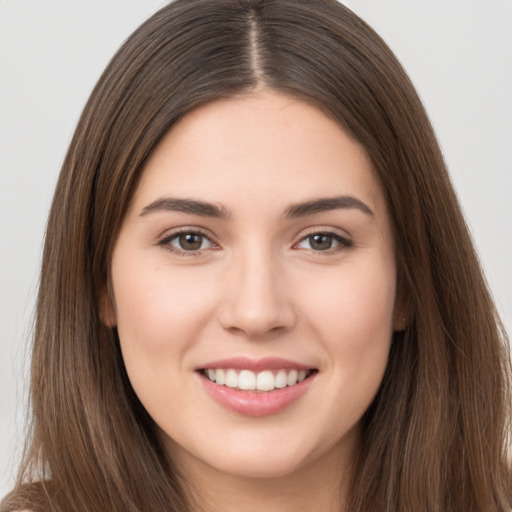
[[250, 403]]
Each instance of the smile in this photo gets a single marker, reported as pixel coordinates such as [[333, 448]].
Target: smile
[[256, 387], [263, 381]]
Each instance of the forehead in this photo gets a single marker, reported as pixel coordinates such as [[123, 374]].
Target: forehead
[[267, 148]]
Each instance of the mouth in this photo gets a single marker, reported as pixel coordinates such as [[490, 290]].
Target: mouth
[[263, 381], [256, 387]]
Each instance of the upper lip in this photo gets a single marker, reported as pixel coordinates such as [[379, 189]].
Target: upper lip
[[256, 365]]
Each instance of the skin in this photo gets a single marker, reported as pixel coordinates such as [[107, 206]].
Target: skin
[[257, 287]]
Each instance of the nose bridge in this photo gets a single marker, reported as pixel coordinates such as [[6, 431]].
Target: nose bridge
[[256, 299]]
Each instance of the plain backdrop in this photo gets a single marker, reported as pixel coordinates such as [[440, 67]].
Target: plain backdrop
[[457, 52]]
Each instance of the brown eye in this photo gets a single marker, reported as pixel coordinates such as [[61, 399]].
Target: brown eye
[[324, 242], [187, 242], [320, 241], [190, 241]]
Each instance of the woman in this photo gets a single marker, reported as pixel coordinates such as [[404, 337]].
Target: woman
[[258, 290]]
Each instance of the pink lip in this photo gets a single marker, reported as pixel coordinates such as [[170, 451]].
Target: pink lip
[[252, 403], [244, 363]]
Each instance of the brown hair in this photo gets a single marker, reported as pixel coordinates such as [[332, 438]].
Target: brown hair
[[435, 437]]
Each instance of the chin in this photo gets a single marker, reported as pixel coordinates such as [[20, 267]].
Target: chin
[[242, 455], [259, 468]]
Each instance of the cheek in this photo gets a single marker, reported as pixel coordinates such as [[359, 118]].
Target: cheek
[[159, 317], [158, 310], [354, 322], [355, 327], [361, 302]]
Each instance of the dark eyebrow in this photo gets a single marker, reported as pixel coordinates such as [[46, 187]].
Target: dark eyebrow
[[191, 206], [205, 209], [326, 204]]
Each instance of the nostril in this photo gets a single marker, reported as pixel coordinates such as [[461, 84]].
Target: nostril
[[256, 324]]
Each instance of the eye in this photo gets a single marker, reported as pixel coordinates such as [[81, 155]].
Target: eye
[[323, 241], [187, 242]]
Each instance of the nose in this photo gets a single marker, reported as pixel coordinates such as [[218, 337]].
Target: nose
[[257, 302]]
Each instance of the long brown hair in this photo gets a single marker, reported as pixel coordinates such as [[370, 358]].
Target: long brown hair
[[435, 437]]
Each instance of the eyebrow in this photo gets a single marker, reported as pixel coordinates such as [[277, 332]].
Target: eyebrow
[[191, 206], [206, 209], [327, 204]]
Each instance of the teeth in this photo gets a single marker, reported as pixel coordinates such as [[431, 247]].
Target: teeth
[[281, 379], [266, 380], [220, 377], [231, 379], [292, 377], [246, 380]]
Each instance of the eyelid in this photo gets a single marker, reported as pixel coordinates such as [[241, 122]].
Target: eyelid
[[163, 240], [344, 240]]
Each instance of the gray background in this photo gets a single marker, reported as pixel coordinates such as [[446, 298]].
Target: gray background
[[458, 53]]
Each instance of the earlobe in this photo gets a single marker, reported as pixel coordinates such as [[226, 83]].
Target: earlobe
[[107, 310], [400, 322], [401, 317]]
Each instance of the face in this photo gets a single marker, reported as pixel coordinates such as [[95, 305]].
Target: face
[[254, 287]]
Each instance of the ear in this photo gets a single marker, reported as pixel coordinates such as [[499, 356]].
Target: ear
[[107, 309], [399, 322], [401, 316]]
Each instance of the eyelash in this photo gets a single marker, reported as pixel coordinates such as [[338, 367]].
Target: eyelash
[[165, 242], [343, 243]]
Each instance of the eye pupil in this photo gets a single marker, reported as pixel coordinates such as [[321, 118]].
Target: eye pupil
[[320, 242], [190, 241]]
